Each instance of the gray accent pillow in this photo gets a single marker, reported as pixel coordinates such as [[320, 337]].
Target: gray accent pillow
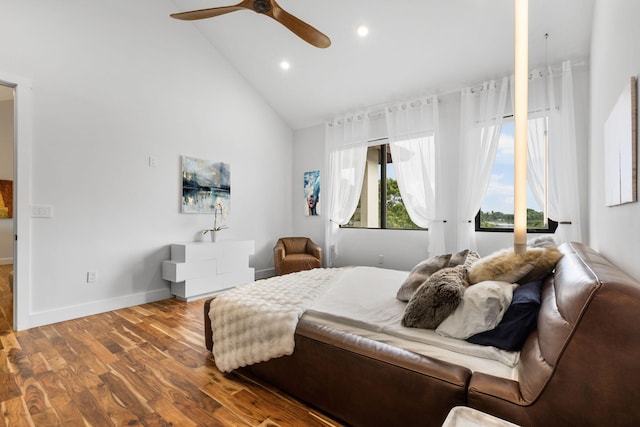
[[458, 258], [420, 273], [541, 242], [436, 298]]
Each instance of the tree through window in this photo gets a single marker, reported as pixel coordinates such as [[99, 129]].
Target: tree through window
[[379, 184]]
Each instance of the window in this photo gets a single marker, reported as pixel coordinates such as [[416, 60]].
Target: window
[[380, 184], [496, 210]]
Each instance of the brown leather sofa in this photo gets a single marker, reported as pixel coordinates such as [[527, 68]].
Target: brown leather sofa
[[581, 367], [291, 254]]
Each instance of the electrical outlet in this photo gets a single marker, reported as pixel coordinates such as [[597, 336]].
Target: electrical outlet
[[92, 276], [380, 259], [153, 161]]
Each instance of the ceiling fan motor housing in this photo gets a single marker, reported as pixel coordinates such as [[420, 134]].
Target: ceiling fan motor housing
[[262, 6]]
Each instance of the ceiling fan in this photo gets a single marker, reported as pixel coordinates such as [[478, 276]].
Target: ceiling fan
[[266, 7]]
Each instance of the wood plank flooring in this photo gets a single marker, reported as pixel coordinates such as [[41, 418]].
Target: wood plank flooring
[[144, 365]]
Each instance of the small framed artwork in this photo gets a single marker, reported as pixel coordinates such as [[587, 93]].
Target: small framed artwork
[[6, 198], [312, 193], [620, 148], [206, 186]]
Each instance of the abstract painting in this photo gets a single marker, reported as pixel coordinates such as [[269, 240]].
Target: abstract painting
[[206, 186], [312, 193]]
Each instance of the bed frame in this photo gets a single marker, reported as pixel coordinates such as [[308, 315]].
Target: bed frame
[[361, 381]]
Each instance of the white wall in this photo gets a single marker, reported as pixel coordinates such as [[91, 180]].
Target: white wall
[[6, 172], [615, 231], [115, 82], [309, 154], [402, 249]]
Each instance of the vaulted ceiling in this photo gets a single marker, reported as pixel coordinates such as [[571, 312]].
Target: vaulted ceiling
[[414, 47]]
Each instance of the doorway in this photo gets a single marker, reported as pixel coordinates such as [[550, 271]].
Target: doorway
[[7, 212], [22, 144]]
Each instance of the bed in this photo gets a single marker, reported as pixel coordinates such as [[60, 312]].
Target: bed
[[366, 372]]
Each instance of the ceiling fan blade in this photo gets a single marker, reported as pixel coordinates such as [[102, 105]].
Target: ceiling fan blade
[[300, 28], [210, 13], [267, 7]]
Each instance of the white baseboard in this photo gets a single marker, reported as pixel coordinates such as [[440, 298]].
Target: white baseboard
[[6, 261], [265, 273], [76, 311]]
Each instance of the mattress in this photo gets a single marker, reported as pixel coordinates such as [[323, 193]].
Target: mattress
[[362, 301]]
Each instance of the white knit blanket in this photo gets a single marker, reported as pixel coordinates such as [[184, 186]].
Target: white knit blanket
[[256, 322]]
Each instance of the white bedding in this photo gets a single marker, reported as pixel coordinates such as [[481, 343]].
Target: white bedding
[[362, 300], [256, 321]]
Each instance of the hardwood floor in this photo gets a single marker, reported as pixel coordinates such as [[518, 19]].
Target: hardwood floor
[[144, 365]]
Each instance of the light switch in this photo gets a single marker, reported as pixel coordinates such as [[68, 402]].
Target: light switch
[[41, 211]]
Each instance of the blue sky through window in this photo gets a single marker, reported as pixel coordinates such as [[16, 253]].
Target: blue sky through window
[[499, 195]]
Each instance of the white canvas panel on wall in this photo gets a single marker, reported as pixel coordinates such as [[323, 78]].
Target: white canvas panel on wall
[[620, 148]]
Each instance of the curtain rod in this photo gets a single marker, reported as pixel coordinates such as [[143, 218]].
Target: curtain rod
[[377, 110], [555, 69]]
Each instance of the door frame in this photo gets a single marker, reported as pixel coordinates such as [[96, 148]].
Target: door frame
[[23, 141]]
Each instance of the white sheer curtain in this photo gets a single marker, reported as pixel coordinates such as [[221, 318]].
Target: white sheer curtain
[[564, 196], [481, 116], [541, 106], [414, 142], [346, 144], [552, 136]]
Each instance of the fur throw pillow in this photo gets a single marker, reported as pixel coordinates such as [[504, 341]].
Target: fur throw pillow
[[472, 257], [544, 266], [436, 298], [507, 266], [420, 273]]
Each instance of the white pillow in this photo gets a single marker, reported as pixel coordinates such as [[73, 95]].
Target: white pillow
[[481, 309]]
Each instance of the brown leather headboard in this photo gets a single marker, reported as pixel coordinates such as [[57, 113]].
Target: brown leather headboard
[[581, 365]]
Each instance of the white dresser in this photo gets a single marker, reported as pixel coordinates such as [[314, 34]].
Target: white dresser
[[200, 269]]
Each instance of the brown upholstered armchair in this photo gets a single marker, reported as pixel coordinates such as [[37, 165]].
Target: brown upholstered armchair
[[291, 254]]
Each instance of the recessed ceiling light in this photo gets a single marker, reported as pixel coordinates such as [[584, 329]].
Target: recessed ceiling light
[[285, 65], [363, 30]]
